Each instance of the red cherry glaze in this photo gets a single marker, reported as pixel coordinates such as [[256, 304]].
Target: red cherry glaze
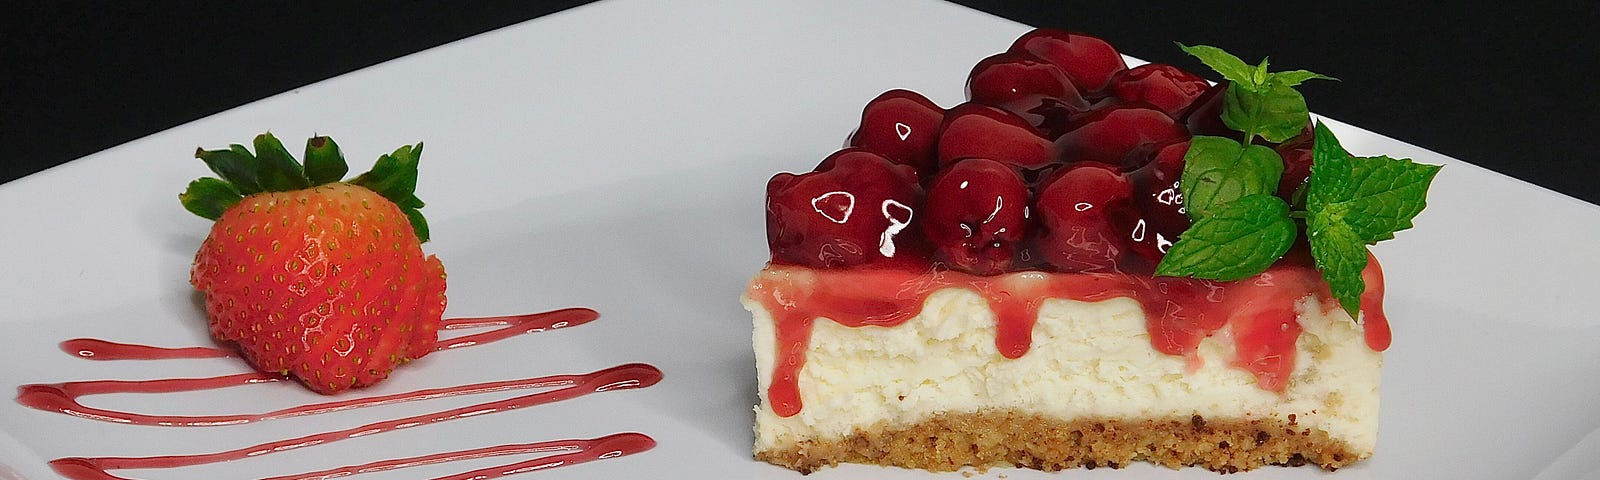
[[1110, 134], [1159, 217], [1180, 312], [973, 130], [849, 212], [1166, 87], [902, 126], [1088, 61], [1076, 208], [1296, 153], [1036, 90], [976, 215], [1204, 116]]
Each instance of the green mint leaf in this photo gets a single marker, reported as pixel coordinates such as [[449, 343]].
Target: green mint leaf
[[1296, 77], [277, 170], [1259, 77], [1218, 170], [235, 165], [324, 162], [1230, 67], [1340, 256], [1240, 239], [1374, 196], [209, 197], [1275, 111]]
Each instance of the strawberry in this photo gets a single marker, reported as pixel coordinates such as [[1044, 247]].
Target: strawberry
[[310, 277]]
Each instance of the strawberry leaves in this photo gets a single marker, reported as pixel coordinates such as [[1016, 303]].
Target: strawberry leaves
[[271, 168], [395, 177]]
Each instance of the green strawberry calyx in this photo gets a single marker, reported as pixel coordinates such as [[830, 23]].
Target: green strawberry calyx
[[271, 168]]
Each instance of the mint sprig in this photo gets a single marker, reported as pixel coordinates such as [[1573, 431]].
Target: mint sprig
[[1352, 202], [271, 168], [1258, 103], [1240, 229]]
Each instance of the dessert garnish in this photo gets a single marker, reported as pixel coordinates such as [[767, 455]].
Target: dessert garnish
[[324, 282], [1084, 264], [312, 277], [1343, 202]]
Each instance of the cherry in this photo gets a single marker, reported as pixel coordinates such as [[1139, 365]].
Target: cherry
[[1296, 153], [973, 130], [977, 213], [1088, 61], [1078, 209], [901, 125], [1159, 216], [1167, 87], [1021, 83], [1109, 134], [1204, 116], [849, 212]]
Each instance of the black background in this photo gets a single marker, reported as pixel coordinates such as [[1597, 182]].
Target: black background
[[1512, 86]]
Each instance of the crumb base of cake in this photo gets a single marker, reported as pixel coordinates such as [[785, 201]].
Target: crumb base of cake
[[952, 441]]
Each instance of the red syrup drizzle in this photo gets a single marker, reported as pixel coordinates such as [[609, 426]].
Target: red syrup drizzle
[[63, 398], [1180, 312]]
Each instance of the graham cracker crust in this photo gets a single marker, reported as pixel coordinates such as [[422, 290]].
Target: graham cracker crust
[[949, 442]]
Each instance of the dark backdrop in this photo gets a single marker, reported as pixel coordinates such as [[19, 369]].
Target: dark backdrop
[[1512, 86]]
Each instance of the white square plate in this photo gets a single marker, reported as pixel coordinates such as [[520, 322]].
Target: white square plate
[[614, 156]]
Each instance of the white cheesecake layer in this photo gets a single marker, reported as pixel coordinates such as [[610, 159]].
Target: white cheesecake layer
[[1088, 359]]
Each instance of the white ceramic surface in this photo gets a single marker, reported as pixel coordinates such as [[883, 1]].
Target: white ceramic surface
[[614, 156]]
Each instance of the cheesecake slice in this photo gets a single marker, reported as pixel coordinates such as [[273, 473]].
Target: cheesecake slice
[[1083, 265], [1265, 371]]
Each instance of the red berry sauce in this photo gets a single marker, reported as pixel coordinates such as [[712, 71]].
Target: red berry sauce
[[63, 398], [1093, 151], [1180, 312]]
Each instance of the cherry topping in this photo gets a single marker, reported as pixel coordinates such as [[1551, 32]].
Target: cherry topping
[[1158, 205], [849, 212], [901, 125], [1205, 114], [1021, 83], [1296, 153], [977, 212], [1167, 87], [1088, 61], [1109, 134], [1077, 211], [973, 130]]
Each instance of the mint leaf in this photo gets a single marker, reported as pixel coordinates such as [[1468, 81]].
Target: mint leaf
[[1230, 67], [1374, 196], [1355, 201], [1218, 170], [1241, 239], [209, 197], [1296, 77], [1341, 257], [1276, 112]]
